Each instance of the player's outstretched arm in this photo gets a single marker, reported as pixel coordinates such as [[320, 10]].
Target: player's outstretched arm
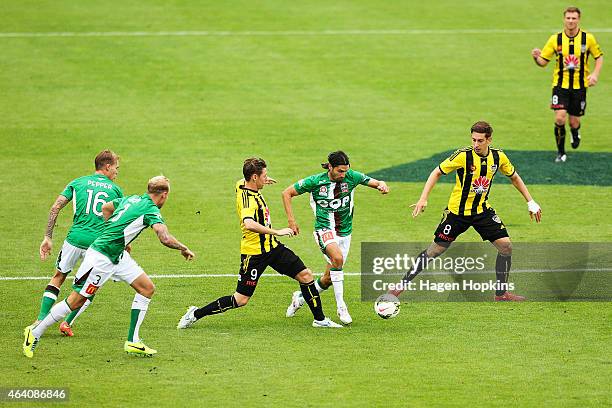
[[287, 195], [47, 242], [379, 185], [421, 205], [534, 209], [256, 227], [168, 240], [536, 53]]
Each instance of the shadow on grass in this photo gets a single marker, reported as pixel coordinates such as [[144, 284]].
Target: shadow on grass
[[535, 167]]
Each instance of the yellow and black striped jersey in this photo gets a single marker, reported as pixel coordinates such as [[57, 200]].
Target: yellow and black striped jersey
[[251, 204], [474, 178], [572, 53]]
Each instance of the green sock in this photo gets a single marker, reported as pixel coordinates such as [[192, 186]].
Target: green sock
[[133, 322], [139, 310], [71, 316], [48, 299]]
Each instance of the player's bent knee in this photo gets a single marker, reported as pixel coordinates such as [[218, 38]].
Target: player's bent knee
[[305, 276], [337, 262], [560, 117], [75, 300], [241, 300], [436, 249], [58, 279], [574, 121], [504, 248]]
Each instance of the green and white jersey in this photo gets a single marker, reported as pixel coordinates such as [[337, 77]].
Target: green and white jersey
[[332, 202], [132, 215], [88, 194]]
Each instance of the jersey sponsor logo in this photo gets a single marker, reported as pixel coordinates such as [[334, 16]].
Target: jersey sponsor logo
[[480, 185], [571, 62], [327, 236], [445, 237], [91, 289], [267, 216], [251, 283], [134, 199], [335, 203], [323, 190], [344, 187]]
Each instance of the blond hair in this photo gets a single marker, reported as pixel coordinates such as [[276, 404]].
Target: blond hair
[[158, 184]]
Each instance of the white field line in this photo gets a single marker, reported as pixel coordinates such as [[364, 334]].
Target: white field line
[[290, 33], [268, 275]]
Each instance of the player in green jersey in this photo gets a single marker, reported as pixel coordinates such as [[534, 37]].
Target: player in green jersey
[[108, 258], [88, 194], [331, 199]]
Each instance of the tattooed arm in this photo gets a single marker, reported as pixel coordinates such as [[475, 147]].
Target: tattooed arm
[[168, 240], [47, 243]]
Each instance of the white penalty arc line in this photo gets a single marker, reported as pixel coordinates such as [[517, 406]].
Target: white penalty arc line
[[288, 33], [267, 275]]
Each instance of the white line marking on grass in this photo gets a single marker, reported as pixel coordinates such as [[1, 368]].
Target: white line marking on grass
[[266, 33], [235, 275]]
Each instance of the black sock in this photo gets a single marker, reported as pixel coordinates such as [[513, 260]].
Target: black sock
[[502, 271], [218, 306], [560, 138], [311, 296], [417, 268], [575, 131]]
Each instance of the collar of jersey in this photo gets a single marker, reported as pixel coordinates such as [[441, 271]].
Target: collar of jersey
[[248, 189], [101, 175], [482, 157], [579, 31]]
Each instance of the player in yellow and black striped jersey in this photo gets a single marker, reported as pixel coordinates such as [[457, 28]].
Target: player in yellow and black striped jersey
[[259, 249], [468, 206], [250, 204], [571, 77]]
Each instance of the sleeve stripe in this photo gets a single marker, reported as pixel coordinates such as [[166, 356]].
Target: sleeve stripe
[[440, 168]]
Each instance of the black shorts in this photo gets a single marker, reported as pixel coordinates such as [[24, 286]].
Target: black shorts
[[487, 224], [281, 259], [571, 100]]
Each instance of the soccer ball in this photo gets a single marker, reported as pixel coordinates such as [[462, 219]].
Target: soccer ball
[[387, 306]]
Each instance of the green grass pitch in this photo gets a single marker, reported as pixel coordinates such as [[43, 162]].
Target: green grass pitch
[[194, 106]]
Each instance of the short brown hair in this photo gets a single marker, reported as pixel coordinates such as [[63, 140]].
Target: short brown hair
[[158, 185], [253, 165], [571, 9], [482, 127], [105, 157]]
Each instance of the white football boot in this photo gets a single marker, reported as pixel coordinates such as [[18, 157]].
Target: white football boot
[[326, 323], [188, 318], [297, 301], [344, 315]]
